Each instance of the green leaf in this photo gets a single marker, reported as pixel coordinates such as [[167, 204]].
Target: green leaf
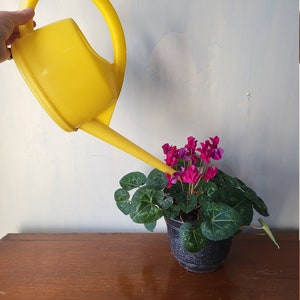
[[259, 205], [175, 189], [268, 231], [189, 203], [209, 188], [180, 197], [245, 209], [235, 198], [172, 212], [158, 197], [165, 202], [122, 200], [157, 179], [143, 208], [229, 195], [223, 179], [203, 199], [150, 226], [221, 221], [191, 236], [132, 180]]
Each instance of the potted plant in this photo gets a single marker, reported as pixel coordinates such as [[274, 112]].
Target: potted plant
[[203, 207]]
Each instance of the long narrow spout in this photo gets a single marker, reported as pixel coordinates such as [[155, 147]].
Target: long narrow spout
[[110, 136]]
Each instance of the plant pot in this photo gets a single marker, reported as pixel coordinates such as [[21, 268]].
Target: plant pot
[[206, 260]]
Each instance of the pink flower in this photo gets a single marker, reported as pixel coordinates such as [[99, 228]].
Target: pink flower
[[169, 184], [214, 141], [191, 174], [166, 147], [210, 149], [205, 151], [217, 153], [191, 145], [172, 179], [191, 150], [211, 172], [171, 153], [184, 154], [205, 156], [189, 156]]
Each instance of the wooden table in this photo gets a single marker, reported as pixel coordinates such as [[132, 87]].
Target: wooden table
[[141, 266]]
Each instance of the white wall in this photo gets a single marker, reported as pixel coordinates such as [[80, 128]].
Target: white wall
[[196, 67]]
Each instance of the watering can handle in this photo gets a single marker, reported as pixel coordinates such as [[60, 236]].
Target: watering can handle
[[115, 29], [29, 26]]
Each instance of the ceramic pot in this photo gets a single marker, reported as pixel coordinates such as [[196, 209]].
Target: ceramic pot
[[207, 260]]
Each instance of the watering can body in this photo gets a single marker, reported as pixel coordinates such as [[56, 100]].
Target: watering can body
[[70, 80], [76, 86]]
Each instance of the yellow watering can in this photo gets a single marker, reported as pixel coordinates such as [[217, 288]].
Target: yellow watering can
[[77, 87]]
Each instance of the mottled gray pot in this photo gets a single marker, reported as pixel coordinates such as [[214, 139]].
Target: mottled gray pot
[[208, 259]]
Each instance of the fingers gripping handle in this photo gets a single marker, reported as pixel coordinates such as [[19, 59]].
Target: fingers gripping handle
[[27, 4]]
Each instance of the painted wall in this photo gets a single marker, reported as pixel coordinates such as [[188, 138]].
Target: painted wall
[[196, 67]]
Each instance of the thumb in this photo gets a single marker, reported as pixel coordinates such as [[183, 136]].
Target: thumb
[[22, 16], [9, 23]]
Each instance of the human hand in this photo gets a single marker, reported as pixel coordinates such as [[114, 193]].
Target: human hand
[[9, 29]]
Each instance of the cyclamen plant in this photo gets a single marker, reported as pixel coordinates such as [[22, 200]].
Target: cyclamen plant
[[210, 204]]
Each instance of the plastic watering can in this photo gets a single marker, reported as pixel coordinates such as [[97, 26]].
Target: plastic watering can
[[76, 86]]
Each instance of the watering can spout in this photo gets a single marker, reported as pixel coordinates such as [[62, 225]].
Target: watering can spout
[[112, 137]]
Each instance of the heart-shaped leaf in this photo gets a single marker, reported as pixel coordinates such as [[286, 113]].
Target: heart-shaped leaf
[[143, 208], [132, 180], [172, 212], [258, 204], [245, 209], [191, 236], [157, 179], [209, 188], [150, 226], [221, 221], [235, 198], [165, 202], [122, 200], [189, 203]]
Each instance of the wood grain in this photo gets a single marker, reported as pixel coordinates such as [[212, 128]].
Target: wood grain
[[141, 266]]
